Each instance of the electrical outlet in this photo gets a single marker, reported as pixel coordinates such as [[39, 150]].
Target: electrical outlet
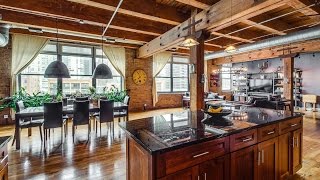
[[5, 116]]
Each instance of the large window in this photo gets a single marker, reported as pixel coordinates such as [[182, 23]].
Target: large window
[[174, 77], [80, 60], [225, 79]]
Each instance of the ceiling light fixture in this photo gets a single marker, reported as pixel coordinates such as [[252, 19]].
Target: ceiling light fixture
[[57, 69], [189, 42], [110, 40], [230, 49], [81, 21], [102, 71], [35, 30]]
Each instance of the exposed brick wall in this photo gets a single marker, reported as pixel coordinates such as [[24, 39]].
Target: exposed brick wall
[[169, 101], [142, 94], [5, 80], [139, 94]]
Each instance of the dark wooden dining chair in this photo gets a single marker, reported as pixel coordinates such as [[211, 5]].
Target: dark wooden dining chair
[[105, 115], [53, 118], [122, 113], [82, 98], [26, 123], [64, 101], [81, 116]]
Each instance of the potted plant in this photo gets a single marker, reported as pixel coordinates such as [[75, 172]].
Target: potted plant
[[114, 94], [34, 100], [94, 97]]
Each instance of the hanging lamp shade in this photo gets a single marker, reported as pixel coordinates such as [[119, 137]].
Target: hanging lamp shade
[[230, 49], [102, 71], [189, 42], [57, 69]]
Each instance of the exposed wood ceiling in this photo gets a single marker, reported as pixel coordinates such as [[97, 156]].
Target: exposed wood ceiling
[[139, 22]]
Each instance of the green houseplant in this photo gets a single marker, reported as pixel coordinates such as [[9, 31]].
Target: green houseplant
[[114, 94], [29, 100]]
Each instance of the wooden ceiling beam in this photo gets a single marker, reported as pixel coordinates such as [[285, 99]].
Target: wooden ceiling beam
[[302, 47], [29, 20], [62, 9], [298, 4], [214, 17], [194, 3], [262, 27], [74, 39], [264, 6], [232, 37], [276, 24], [141, 9]]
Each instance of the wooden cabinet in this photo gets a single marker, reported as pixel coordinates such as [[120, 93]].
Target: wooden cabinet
[[186, 174], [267, 168], [216, 169], [290, 151], [176, 160], [284, 158], [296, 150], [266, 153], [243, 163]]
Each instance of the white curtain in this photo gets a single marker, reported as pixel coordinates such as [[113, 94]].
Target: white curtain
[[159, 61], [206, 82], [25, 49], [117, 57]]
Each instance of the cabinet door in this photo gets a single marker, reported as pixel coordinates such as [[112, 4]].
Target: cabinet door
[[297, 150], [268, 159], [216, 169], [244, 163], [285, 146], [186, 174]]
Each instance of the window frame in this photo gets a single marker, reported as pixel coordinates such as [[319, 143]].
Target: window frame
[[223, 78], [60, 54], [171, 76]]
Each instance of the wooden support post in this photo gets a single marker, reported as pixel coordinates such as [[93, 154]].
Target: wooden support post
[[288, 67], [196, 86]]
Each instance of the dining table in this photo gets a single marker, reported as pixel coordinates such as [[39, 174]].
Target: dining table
[[35, 112]]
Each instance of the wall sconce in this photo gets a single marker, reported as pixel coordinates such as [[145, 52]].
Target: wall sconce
[[192, 68], [203, 78]]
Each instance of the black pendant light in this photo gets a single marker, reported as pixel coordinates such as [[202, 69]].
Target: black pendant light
[[102, 71], [57, 69]]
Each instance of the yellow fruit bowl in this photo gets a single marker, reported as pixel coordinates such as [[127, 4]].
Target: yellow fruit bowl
[[223, 112]]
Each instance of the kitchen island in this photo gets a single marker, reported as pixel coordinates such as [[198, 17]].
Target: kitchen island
[[254, 143]]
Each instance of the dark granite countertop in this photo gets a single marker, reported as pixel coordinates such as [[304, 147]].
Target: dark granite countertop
[[4, 140], [173, 131]]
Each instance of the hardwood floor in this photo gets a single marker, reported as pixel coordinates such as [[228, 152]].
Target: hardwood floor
[[104, 157]]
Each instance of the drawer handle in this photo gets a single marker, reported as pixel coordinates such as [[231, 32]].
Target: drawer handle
[[293, 125], [271, 132], [259, 158], [3, 159], [201, 154], [293, 142], [247, 139]]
